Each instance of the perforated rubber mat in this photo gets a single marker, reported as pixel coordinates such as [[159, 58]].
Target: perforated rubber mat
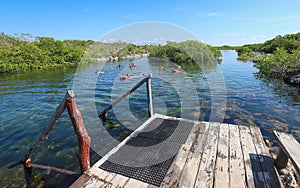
[[148, 156]]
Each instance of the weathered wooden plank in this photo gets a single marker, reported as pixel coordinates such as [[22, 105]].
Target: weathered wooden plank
[[254, 174], [174, 172], [106, 178], [151, 186], [207, 165], [119, 181], [136, 183], [93, 182], [222, 166], [269, 171], [83, 179], [290, 147], [189, 172], [236, 161], [94, 171]]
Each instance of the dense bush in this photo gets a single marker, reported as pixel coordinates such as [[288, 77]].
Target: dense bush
[[186, 52], [24, 53], [277, 58]]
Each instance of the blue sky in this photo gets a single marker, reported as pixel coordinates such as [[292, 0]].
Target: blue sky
[[215, 22]]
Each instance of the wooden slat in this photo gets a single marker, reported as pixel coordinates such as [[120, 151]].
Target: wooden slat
[[270, 173], [94, 171], [207, 165], [236, 161], [222, 166], [119, 181], [151, 186], [174, 172], [254, 174], [189, 172], [136, 183], [290, 146], [94, 182], [83, 179]]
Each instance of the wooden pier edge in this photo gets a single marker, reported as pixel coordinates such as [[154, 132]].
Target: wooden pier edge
[[214, 155], [289, 149]]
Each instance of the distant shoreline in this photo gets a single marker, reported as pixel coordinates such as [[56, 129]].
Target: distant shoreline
[[118, 58]]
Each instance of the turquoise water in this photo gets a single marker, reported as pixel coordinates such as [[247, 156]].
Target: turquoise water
[[231, 88]]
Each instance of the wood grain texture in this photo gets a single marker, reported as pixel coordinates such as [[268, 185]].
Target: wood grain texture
[[207, 165], [290, 147], [254, 173], [222, 163], [271, 177], [236, 160], [172, 177], [190, 170]]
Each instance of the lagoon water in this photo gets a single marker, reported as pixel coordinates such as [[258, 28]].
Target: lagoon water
[[229, 91]]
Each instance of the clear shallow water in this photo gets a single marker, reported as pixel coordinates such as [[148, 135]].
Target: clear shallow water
[[28, 101]]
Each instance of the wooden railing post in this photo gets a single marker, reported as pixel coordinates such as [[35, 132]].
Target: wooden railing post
[[82, 135], [149, 95]]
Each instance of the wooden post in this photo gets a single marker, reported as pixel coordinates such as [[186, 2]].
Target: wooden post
[[149, 94], [82, 136]]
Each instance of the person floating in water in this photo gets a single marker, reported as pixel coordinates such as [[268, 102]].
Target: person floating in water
[[119, 66], [132, 65], [131, 75], [177, 69], [161, 68]]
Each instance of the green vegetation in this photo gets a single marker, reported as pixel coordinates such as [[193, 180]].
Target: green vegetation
[[187, 53], [275, 58], [280, 63], [245, 53], [116, 49], [24, 53]]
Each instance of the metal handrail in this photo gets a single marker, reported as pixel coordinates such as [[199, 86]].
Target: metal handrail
[[103, 114]]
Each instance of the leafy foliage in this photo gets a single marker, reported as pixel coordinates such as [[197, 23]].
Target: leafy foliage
[[24, 53], [116, 49], [275, 58], [187, 52], [279, 64]]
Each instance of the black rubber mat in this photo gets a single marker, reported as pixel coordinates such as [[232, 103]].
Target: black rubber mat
[[148, 156]]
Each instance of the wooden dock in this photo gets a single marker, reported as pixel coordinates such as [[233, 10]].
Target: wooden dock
[[199, 154]]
